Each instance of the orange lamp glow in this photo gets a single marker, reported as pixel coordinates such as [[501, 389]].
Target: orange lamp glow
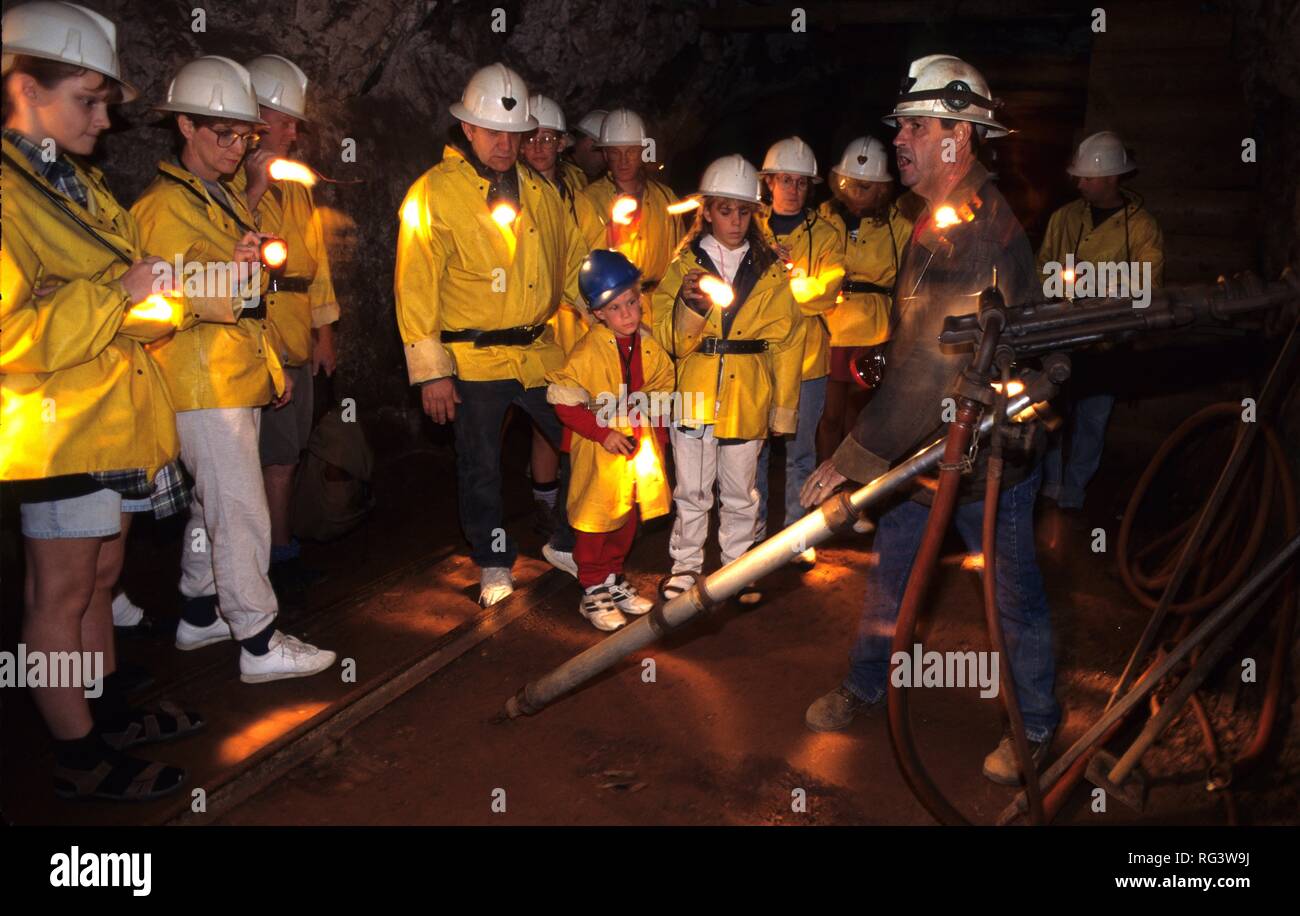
[[720, 293], [289, 170], [155, 308], [503, 214], [622, 210], [945, 216], [274, 253]]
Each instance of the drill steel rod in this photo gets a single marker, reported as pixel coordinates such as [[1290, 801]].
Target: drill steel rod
[[836, 514]]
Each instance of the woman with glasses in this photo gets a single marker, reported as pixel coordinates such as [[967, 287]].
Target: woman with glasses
[[220, 376]]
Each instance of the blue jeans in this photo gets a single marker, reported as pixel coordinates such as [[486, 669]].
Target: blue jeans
[[800, 455], [1087, 439], [478, 421], [1022, 600]]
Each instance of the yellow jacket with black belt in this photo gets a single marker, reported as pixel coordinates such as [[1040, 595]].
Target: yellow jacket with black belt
[[1130, 234], [604, 486], [458, 270], [207, 365], [78, 392], [649, 242], [816, 272], [287, 209], [861, 318], [743, 395]]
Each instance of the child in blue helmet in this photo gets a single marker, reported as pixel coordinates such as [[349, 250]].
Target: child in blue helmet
[[613, 395]]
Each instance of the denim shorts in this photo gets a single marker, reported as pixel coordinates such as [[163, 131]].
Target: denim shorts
[[94, 515]]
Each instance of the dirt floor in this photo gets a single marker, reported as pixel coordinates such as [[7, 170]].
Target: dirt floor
[[716, 737]]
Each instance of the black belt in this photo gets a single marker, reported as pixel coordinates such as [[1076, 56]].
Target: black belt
[[862, 286], [505, 337], [257, 312], [711, 346], [291, 285]]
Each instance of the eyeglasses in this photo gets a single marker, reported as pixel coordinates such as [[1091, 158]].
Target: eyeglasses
[[535, 140], [227, 138]]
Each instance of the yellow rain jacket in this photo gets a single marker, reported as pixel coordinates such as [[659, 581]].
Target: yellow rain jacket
[[572, 173], [744, 395], [78, 392], [649, 242], [571, 321], [287, 209], [207, 365], [817, 255], [458, 270], [604, 487], [1070, 231], [861, 319]]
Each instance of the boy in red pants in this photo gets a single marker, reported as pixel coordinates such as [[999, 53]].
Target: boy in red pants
[[612, 396]]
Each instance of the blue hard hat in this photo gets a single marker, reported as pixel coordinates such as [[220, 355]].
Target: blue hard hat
[[604, 276]]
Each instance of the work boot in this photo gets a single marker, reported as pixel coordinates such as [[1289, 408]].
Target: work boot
[[495, 584], [1003, 767], [835, 710]]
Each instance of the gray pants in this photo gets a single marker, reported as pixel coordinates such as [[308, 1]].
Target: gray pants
[[227, 546]]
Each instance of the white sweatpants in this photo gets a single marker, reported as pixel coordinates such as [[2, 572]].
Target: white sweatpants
[[227, 547], [699, 462]]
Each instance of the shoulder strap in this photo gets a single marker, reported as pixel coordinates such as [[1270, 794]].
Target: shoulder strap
[[58, 202]]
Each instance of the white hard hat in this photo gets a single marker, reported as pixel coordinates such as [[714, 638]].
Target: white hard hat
[[213, 86], [64, 32], [792, 157], [621, 128], [280, 85], [731, 176], [547, 111], [943, 86], [496, 97], [865, 159], [1100, 155], [591, 122]]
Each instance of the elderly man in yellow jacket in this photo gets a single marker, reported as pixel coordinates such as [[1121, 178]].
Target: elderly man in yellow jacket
[[1106, 225], [630, 209], [303, 309], [811, 251], [485, 252], [220, 376]]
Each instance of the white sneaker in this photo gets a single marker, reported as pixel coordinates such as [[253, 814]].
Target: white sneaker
[[807, 559], [495, 584], [625, 596], [600, 611], [672, 586], [288, 657], [126, 613], [189, 637], [863, 525], [560, 559]]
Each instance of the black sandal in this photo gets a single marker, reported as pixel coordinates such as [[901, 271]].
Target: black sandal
[[118, 778], [669, 593], [165, 723]]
